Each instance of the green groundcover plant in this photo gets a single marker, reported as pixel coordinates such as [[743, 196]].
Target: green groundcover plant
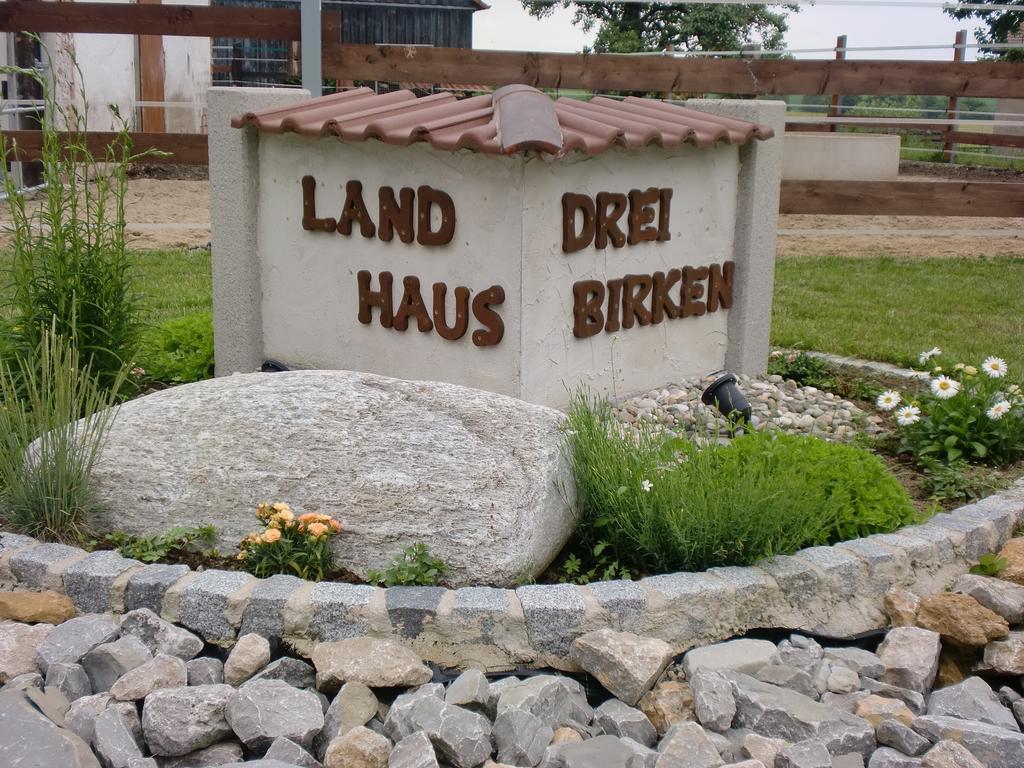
[[659, 503], [415, 567], [969, 413], [179, 351]]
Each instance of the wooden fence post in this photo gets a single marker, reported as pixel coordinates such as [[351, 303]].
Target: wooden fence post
[[151, 78], [953, 111], [833, 110]]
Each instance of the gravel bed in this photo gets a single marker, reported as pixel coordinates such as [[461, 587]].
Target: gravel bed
[[773, 400]]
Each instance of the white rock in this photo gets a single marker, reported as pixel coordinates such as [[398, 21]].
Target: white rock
[[398, 462], [250, 654], [911, 658], [744, 655]]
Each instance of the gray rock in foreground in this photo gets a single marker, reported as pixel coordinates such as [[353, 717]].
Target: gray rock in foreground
[[478, 461], [32, 741], [995, 747], [176, 721], [264, 710]]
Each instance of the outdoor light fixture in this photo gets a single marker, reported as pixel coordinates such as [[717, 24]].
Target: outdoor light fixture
[[727, 398], [273, 366]]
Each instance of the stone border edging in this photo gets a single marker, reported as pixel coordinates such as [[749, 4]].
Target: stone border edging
[[859, 364], [835, 590]]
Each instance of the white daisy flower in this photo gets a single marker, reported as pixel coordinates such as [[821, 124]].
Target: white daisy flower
[[646, 485], [997, 411], [907, 415], [995, 367], [944, 387], [888, 400], [926, 356]]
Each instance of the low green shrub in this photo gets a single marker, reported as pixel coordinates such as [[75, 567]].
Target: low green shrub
[[659, 503], [179, 351], [69, 267], [152, 549], [415, 567], [968, 413], [46, 454]]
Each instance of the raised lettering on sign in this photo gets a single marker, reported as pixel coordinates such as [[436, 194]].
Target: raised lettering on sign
[[650, 299], [410, 215], [599, 221]]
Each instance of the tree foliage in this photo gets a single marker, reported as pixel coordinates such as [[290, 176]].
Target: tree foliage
[[998, 26], [632, 27]]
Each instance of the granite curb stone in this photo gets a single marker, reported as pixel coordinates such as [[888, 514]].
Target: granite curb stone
[[833, 589]]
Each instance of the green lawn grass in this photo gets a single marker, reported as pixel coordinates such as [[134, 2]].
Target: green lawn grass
[[172, 283], [891, 309]]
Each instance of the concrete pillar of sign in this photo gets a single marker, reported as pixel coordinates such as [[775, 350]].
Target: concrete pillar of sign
[[234, 191], [757, 215]]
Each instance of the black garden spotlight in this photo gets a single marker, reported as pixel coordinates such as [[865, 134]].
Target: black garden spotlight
[[727, 398]]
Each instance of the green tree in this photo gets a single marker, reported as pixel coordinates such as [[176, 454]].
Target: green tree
[[632, 27], [998, 26]]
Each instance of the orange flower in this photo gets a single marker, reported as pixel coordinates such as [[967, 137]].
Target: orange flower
[[281, 507], [335, 525], [262, 510], [317, 529], [309, 517], [271, 535]]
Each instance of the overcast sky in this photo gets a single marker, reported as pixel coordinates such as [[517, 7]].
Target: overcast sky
[[507, 26]]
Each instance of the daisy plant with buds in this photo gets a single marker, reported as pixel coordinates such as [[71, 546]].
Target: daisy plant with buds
[[968, 413], [290, 543]]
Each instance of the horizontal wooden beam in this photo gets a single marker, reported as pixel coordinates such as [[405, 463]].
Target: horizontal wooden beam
[[903, 198], [622, 72], [183, 148], [944, 134], [171, 20]]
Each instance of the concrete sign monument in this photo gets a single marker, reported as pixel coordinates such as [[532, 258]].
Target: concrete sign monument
[[508, 242]]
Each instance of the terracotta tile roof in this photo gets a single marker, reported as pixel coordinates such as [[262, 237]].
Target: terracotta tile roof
[[512, 119]]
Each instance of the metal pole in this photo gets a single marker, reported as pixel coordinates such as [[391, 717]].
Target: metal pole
[[312, 78]]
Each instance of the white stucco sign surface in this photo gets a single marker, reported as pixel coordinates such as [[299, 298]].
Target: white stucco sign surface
[[467, 257]]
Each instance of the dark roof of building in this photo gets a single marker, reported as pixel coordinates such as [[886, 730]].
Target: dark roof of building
[[512, 119]]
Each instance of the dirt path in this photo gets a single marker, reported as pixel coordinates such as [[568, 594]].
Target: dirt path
[[175, 213]]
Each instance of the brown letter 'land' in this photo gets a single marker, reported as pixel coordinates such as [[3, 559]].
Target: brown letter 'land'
[[309, 219], [395, 216], [427, 197]]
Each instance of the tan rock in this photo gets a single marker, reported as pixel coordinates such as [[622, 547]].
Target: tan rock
[[875, 709], [901, 605], [18, 646], [36, 607], [359, 748], [563, 735], [670, 702], [949, 754], [250, 654], [962, 619], [955, 665], [374, 662], [762, 748], [1013, 553]]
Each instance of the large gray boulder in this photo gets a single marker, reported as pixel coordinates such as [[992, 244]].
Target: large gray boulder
[[480, 478], [264, 710], [28, 739]]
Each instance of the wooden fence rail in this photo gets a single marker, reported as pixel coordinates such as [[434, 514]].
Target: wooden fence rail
[[624, 72], [172, 20], [896, 198]]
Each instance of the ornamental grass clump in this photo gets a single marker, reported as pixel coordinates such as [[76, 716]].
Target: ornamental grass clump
[[46, 453], [969, 413], [659, 503], [290, 543]]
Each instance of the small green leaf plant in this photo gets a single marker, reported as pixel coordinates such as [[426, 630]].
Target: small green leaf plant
[[153, 549], [989, 565], [971, 414], [179, 351], [415, 567], [804, 369], [297, 545], [601, 567]]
